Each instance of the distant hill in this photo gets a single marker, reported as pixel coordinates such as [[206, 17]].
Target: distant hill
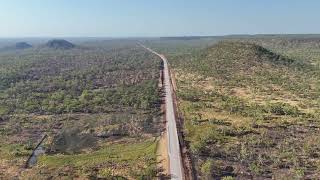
[[285, 43], [22, 45], [17, 46], [59, 44], [243, 55], [244, 64], [231, 59]]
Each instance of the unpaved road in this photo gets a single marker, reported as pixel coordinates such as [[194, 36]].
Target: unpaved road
[[175, 163]]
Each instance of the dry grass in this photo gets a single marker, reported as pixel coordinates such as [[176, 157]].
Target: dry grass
[[253, 127]]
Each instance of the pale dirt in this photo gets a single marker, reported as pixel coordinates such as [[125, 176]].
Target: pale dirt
[[162, 151], [162, 154]]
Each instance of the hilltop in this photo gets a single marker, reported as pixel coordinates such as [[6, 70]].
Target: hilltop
[[239, 58], [245, 53], [243, 64], [59, 44]]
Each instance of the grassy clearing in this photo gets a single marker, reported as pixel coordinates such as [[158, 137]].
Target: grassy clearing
[[13, 157], [117, 152], [129, 158]]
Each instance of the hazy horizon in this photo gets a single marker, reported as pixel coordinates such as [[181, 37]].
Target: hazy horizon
[[114, 19], [152, 37]]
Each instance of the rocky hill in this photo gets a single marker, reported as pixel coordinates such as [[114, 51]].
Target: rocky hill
[[59, 44]]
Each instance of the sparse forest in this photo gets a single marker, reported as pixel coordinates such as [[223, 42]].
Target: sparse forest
[[96, 101], [169, 89], [250, 105]]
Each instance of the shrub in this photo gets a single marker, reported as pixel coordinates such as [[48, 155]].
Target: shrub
[[206, 168], [228, 178], [283, 109]]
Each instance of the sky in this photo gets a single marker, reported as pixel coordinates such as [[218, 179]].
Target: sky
[[153, 18]]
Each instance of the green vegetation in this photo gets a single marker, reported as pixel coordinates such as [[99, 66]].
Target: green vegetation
[[250, 106], [136, 159], [93, 100], [77, 81]]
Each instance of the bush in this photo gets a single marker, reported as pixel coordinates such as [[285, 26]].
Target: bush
[[228, 178], [211, 136], [283, 109], [206, 168]]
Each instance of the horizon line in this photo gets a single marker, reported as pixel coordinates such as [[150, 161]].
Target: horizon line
[[132, 37]]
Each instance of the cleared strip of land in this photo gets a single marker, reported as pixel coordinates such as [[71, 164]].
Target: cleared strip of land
[[176, 169]]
